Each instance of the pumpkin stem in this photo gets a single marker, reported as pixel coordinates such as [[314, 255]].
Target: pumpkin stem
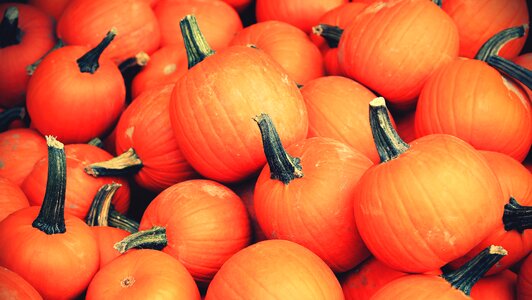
[[10, 34], [511, 69], [9, 115], [283, 167], [389, 144], [97, 142], [466, 276], [330, 33], [154, 238], [99, 211], [30, 69], [437, 2], [118, 220], [139, 60], [195, 43], [123, 164], [516, 216], [51, 218], [88, 63], [496, 42]]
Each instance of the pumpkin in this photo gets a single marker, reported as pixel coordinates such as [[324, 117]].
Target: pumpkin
[[26, 35], [301, 13], [75, 79], [451, 285], [145, 139], [143, 274], [54, 251], [287, 45], [12, 198], [501, 286], [524, 280], [414, 209], [218, 21], [199, 222], [395, 60], [213, 104], [53, 8], [83, 21], [20, 149], [81, 187], [477, 21], [12, 286], [274, 269]]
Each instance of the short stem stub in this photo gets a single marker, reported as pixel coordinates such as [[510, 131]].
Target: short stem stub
[[51, 218], [116, 219], [99, 211], [154, 238], [88, 63], [195, 43], [96, 142], [10, 34], [511, 69], [124, 164], [389, 144], [31, 68], [283, 167], [330, 33], [137, 61], [516, 216], [466, 276], [495, 43], [10, 115]]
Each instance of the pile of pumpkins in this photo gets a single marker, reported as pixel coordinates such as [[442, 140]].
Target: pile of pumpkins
[[268, 149]]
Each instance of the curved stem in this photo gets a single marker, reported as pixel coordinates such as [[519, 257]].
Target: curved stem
[[389, 144], [283, 167], [123, 164], [10, 115], [154, 238], [99, 211], [464, 278], [31, 68], [516, 216], [10, 34], [51, 218], [116, 219], [88, 63], [139, 60], [330, 33], [195, 43], [511, 69], [496, 42]]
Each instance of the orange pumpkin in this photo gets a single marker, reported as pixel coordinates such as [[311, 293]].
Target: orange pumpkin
[[54, 8], [12, 198], [274, 269], [287, 45], [524, 280], [414, 209], [213, 104], [395, 60], [12, 286]]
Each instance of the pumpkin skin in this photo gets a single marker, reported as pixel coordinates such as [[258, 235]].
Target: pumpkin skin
[[53, 8], [107, 237], [287, 45], [83, 21], [477, 21], [38, 37], [145, 126], [301, 13], [525, 60], [496, 287], [12, 286], [205, 224], [524, 280], [419, 38], [12, 198], [496, 115], [419, 287], [143, 274], [20, 149], [81, 187], [93, 101], [218, 21], [212, 116], [274, 269]]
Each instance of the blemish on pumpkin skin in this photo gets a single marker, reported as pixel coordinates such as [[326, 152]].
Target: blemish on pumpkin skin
[[129, 132], [127, 282], [169, 69]]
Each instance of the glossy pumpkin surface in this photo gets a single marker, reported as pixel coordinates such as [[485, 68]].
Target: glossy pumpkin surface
[[12, 286]]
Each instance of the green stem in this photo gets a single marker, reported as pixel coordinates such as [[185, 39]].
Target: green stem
[[195, 43], [516, 216], [154, 238], [31, 68], [116, 219], [283, 167], [330, 33], [511, 69], [389, 144], [10, 34], [123, 164], [496, 42], [97, 142], [51, 218], [88, 63], [437, 2], [10, 115], [464, 278], [139, 60], [99, 211]]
